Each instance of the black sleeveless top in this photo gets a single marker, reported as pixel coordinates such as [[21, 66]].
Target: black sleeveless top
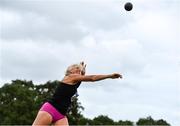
[[61, 99]]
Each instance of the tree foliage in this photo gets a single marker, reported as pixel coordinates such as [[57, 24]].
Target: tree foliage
[[150, 121], [103, 120], [74, 115], [20, 101]]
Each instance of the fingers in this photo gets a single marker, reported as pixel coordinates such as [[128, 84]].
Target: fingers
[[83, 64], [83, 67], [120, 76], [116, 75]]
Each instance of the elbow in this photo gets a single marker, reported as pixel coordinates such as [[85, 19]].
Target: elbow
[[93, 79], [90, 78]]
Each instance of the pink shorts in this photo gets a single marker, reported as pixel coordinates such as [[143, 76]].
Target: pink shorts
[[52, 111]]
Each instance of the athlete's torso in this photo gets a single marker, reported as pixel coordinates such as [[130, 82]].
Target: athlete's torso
[[61, 99]]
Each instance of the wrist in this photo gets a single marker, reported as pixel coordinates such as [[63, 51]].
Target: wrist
[[109, 76]]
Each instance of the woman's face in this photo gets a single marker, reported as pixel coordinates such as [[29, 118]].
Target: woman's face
[[76, 70]]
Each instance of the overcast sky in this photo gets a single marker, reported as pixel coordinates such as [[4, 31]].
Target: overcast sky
[[40, 38]]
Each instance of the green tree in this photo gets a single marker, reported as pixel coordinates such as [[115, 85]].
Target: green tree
[[45, 91], [146, 121], [150, 121], [85, 121], [127, 123], [162, 122], [103, 120], [21, 100], [18, 103], [74, 114]]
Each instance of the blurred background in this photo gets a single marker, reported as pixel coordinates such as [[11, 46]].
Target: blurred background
[[40, 39]]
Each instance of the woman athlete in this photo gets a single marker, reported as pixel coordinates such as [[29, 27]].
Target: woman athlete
[[54, 110]]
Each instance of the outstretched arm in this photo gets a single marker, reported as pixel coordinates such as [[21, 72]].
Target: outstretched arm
[[92, 78]]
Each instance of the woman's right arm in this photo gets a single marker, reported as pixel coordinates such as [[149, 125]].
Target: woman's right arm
[[92, 78]]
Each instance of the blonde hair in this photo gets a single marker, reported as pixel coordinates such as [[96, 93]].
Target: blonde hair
[[68, 70]]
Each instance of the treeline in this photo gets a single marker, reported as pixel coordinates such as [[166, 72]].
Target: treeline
[[20, 101]]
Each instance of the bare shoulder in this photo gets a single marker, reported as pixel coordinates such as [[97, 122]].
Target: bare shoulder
[[70, 79]]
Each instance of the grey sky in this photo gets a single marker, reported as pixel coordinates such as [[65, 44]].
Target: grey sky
[[39, 39]]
